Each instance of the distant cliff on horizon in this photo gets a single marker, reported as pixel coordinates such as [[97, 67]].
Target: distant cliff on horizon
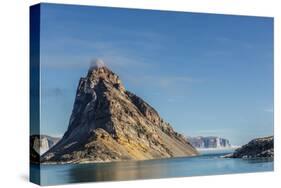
[[42, 143], [209, 142]]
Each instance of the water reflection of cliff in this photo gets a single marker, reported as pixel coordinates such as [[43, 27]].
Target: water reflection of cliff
[[176, 167], [118, 171]]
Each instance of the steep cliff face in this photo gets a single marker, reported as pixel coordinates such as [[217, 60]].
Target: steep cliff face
[[256, 148], [209, 142], [109, 123]]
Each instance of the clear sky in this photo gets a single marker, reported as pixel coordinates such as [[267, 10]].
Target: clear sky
[[206, 74]]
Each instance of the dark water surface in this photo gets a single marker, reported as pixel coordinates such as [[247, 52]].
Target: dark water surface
[[205, 164]]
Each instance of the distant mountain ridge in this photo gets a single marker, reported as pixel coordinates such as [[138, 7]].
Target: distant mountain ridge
[[109, 123], [208, 142]]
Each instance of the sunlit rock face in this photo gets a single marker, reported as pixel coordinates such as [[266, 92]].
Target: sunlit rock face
[[109, 123]]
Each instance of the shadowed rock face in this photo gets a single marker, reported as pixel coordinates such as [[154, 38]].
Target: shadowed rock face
[[257, 148], [109, 123]]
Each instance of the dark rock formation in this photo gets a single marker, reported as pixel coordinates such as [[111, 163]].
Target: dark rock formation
[[209, 142], [109, 123], [257, 148]]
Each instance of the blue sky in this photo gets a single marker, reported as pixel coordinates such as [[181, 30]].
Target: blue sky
[[205, 74]]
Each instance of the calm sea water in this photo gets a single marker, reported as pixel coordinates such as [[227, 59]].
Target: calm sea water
[[208, 163]]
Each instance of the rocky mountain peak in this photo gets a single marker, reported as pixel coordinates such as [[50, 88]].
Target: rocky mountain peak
[[99, 72], [109, 123], [96, 64]]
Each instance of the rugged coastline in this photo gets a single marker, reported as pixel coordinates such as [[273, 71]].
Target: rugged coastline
[[256, 149]]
